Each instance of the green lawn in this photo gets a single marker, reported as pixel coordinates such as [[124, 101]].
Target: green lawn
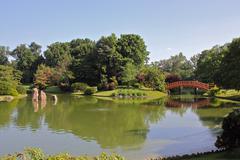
[[149, 93], [229, 94]]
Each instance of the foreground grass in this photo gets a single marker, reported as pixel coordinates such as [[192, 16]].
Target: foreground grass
[[37, 154]]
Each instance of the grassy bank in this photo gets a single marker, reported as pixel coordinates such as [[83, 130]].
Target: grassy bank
[[7, 98], [147, 93], [228, 94]]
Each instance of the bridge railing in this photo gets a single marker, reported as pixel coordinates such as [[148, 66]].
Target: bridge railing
[[193, 84]]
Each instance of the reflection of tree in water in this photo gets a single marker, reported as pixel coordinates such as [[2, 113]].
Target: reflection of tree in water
[[108, 123], [6, 109], [28, 115]]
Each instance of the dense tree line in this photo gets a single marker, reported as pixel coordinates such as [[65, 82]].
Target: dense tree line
[[113, 61], [105, 63]]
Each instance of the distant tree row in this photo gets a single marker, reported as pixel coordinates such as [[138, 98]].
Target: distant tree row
[[219, 65]]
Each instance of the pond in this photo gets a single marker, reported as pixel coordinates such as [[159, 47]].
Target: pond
[[88, 125]]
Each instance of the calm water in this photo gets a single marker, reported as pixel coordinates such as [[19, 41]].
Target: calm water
[[87, 125]]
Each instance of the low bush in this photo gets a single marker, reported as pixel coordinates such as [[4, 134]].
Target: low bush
[[37, 154], [90, 90], [137, 85], [21, 89], [78, 86], [7, 88], [213, 91], [128, 93]]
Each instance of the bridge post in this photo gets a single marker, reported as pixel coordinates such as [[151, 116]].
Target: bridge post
[[196, 91], [180, 90]]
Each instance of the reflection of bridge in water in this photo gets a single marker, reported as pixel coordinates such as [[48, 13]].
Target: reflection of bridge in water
[[195, 104]]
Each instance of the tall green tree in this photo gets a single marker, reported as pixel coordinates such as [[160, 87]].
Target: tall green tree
[[129, 74], [109, 60], [229, 70], [154, 77], [4, 53], [208, 64], [26, 58], [84, 61], [9, 79], [133, 47]]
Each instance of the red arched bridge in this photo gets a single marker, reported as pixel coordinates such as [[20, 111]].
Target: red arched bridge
[[188, 84]]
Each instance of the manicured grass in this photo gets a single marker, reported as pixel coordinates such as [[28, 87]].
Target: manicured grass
[[53, 89], [149, 93], [229, 94]]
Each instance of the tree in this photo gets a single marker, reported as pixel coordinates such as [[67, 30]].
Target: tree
[[229, 72], [154, 77], [109, 61], [83, 61], [43, 76], [4, 53], [129, 74], [58, 54], [133, 47], [26, 60], [208, 64], [9, 79], [178, 65]]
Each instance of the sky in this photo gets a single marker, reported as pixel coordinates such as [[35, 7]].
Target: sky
[[167, 26]]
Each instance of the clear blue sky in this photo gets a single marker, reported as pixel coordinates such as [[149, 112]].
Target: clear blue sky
[[167, 26]]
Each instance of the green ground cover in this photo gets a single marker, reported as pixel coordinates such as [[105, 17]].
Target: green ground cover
[[228, 94]]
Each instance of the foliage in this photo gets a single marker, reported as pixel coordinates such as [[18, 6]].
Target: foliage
[[208, 64], [37, 154], [4, 53], [229, 72], [213, 91], [137, 85], [128, 93], [78, 86], [230, 137], [9, 79], [129, 74], [153, 77], [178, 65], [43, 76], [7, 88], [53, 89], [90, 90], [132, 46], [27, 59], [170, 78], [21, 89]]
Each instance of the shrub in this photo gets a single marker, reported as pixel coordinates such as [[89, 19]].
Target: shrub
[[230, 137], [21, 89], [78, 86], [213, 91], [7, 88], [90, 90], [64, 87], [137, 85]]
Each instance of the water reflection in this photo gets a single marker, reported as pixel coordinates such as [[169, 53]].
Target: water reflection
[[131, 127]]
